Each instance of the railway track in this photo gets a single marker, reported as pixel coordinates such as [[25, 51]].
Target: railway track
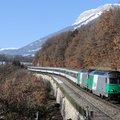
[[110, 110], [113, 103]]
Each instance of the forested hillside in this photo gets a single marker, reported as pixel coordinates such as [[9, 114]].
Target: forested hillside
[[96, 44], [22, 95]]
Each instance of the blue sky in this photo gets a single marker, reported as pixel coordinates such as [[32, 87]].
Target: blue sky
[[25, 21]]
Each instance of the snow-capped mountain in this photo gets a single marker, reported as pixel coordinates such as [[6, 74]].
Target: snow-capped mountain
[[30, 49], [90, 15], [83, 19]]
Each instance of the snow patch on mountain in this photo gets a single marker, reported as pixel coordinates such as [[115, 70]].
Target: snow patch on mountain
[[34, 50], [90, 15], [8, 49]]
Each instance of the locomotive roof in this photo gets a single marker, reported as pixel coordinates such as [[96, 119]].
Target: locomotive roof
[[100, 72]]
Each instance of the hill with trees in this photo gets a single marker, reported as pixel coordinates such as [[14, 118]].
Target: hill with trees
[[96, 44]]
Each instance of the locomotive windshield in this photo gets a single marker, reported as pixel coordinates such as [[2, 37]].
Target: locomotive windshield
[[115, 80]]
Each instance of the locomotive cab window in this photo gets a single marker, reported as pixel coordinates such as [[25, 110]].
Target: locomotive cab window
[[88, 76], [105, 80], [115, 80]]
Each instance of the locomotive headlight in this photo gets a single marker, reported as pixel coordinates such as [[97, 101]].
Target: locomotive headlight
[[113, 90]]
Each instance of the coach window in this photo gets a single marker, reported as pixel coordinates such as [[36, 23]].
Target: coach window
[[75, 75], [72, 74]]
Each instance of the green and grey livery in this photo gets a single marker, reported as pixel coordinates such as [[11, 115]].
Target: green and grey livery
[[99, 82]]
